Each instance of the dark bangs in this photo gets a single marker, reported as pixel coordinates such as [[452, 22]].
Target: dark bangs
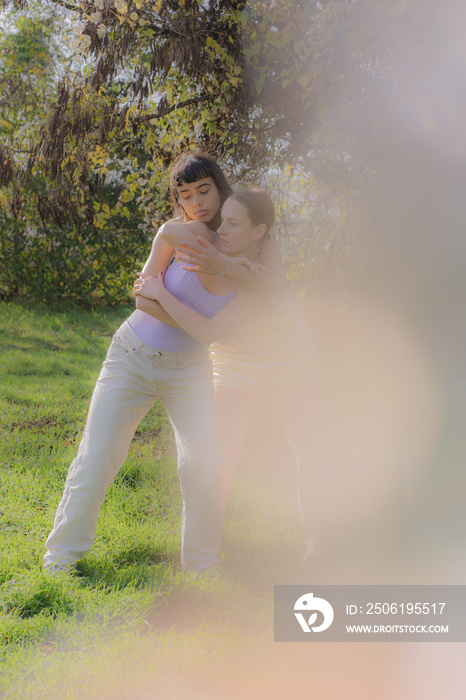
[[191, 170]]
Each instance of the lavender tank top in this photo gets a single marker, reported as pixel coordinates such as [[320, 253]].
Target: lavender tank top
[[185, 286]]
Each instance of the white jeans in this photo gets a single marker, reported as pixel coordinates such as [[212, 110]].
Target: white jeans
[[133, 377]]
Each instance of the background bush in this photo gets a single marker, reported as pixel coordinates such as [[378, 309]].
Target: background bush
[[80, 265]]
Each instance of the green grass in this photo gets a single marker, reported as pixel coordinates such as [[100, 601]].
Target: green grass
[[129, 620], [129, 624]]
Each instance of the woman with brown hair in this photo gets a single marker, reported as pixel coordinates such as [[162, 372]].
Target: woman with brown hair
[[256, 341]]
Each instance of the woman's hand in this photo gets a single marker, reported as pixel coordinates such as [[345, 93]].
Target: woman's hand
[[254, 268], [149, 287], [204, 257], [200, 256]]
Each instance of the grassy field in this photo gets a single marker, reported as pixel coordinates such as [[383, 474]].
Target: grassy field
[[129, 606], [129, 623]]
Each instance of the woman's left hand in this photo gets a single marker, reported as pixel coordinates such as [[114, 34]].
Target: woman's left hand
[[149, 287]]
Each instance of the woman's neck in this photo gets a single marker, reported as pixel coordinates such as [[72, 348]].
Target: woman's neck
[[250, 254], [216, 222]]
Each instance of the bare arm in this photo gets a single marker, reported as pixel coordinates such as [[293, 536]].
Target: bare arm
[[173, 232], [159, 259], [266, 278], [154, 309], [162, 251], [234, 315]]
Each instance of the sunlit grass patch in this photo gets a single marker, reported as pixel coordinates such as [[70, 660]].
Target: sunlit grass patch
[[128, 620]]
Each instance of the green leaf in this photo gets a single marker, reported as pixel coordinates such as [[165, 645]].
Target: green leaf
[[260, 82]]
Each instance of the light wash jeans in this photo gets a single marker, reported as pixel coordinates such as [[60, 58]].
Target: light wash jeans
[[133, 377]]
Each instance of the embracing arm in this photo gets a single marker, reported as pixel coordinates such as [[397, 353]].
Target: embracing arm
[[173, 232], [154, 309], [162, 251], [268, 277], [159, 259], [234, 315]]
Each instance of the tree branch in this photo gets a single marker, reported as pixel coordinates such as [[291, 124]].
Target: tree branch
[[179, 105], [23, 4]]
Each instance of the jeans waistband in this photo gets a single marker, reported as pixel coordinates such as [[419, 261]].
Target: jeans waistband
[[133, 344]]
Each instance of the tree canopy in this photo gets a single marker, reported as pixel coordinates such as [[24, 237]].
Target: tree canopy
[[97, 97], [256, 83]]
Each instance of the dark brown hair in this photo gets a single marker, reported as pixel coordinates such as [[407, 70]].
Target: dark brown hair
[[192, 166]]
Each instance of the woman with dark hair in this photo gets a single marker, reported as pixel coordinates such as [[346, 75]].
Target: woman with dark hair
[[194, 167], [279, 352], [152, 360]]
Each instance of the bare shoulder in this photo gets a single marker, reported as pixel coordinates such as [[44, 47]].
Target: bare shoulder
[[197, 228], [175, 231]]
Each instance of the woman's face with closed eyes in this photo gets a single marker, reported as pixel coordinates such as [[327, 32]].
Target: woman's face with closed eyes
[[200, 200], [238, 235]]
